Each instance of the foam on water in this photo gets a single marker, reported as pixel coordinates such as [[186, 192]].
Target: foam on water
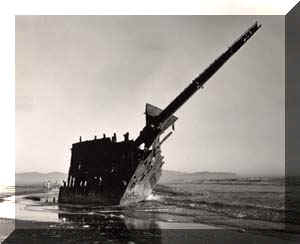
[[153, 197]]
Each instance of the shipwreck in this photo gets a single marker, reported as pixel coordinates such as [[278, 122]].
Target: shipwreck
[[105, 171]]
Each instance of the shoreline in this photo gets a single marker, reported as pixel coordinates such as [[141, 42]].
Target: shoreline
[[178, 221], [144, 218]]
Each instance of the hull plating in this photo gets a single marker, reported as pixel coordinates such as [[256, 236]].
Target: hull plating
[[139, 186]]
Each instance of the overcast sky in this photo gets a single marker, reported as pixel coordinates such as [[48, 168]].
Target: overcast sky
[[88, 75]]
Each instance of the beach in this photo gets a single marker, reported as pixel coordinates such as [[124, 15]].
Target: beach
[[242, 211], [46, 232]]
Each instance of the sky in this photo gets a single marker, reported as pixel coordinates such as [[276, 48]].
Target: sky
[[89, 75]]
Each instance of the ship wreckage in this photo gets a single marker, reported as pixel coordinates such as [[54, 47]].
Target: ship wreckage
[[105, 171]]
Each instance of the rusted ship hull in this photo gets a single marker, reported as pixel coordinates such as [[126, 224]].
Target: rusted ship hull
[[144, 179], [104, 171], [139, 187]]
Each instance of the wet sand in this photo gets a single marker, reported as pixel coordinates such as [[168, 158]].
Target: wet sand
[[47, 232], [45, 222]]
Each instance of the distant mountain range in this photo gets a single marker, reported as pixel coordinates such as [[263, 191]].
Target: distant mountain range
[[168, 176], [175, 176], [29, 178]]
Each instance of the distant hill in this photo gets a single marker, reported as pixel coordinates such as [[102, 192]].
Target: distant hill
[[168, 176], [39, 178]]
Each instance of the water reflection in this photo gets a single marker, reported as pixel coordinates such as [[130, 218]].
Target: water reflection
[[42, 219], [111, 225], [104, 218]]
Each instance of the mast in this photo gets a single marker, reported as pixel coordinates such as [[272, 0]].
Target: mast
[[199, 81], [151, 131]]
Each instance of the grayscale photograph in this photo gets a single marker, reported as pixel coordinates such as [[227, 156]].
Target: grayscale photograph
[[149, 129]]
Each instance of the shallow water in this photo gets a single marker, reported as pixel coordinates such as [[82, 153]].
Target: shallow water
[[134, 217], [243, 204]]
